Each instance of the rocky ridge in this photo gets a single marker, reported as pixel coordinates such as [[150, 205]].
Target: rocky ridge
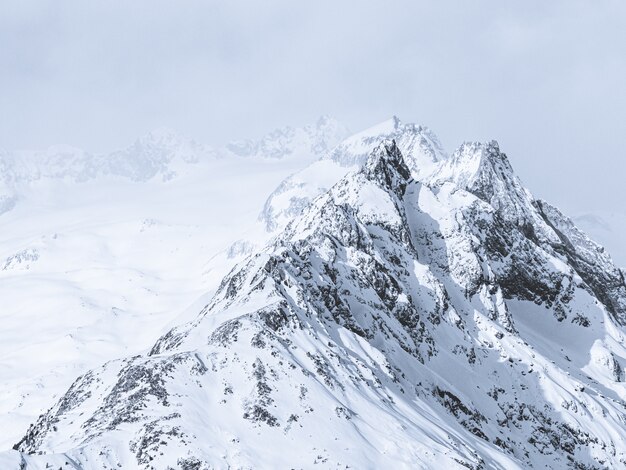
[[407, 318]]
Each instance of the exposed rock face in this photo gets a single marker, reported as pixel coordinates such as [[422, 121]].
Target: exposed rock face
[[590, 260], [402, 320]]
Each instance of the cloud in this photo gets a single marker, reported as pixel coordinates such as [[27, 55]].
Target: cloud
[[544, 78]]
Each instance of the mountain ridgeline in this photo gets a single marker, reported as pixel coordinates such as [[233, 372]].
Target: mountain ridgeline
[[424, 311]]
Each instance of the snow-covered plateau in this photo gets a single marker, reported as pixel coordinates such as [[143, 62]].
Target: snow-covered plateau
[[389, 305]]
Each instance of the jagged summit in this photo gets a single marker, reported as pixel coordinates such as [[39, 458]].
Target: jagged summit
[[420, 147], [386, 165], [485, 171], [162, 134], [475, 166], [326, 121], [310, 140], [395, 322]]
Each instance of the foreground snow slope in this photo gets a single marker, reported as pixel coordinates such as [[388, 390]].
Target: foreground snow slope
[[98, 254], [445, 321]]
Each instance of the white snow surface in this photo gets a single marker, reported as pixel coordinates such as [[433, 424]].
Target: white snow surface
[[393, 307], [99, 253]]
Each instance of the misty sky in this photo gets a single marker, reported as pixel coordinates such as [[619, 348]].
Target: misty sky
[[545, 78]]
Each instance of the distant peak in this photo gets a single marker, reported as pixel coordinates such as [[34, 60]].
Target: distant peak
[[63, 149], [389, 126], [161, 135], [478, 154], [326, 120], [419, 146]]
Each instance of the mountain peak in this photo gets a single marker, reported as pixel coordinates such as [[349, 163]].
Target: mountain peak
[[371, 309], [326, 120], [481, 168], [420, 148], [441, 314], [419, 145], [386, 127], [303, 142], [386, 166], [161, 137]]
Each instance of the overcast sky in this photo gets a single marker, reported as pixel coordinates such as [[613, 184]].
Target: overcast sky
[[547, 79]]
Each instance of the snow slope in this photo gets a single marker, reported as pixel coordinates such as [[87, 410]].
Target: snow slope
[[99, 253], [404, 319]]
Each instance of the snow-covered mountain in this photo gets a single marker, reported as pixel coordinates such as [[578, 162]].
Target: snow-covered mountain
[[99, 253], [420, 146], [301, 142], [423, 312], [163, 153]]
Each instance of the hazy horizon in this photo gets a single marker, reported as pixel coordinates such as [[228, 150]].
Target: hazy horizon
[[544, 79]]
